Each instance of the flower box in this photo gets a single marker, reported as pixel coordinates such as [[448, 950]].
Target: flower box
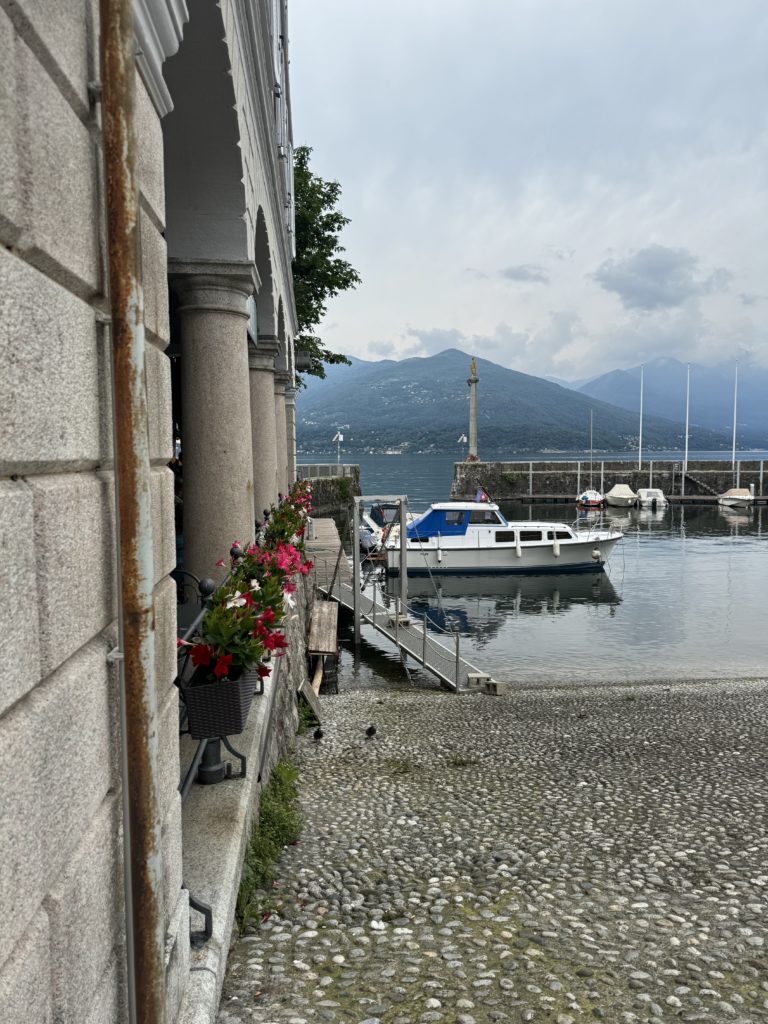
[[220, 708]]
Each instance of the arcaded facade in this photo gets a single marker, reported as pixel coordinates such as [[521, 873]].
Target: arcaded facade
[[215, 161]]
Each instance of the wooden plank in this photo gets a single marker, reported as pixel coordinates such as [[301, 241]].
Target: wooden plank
[[323, 627], [311, 698], [317, 678]]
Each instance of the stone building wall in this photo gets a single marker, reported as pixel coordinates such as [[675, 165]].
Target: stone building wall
[[62, 946]]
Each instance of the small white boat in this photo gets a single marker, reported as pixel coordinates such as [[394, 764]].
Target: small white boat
[[651, 497], [590, 499], [474, 537], [737, 497], [621, 496]]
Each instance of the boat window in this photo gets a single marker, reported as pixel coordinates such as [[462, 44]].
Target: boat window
[[454, 517], [504, 536], [558, 535], [484, 517], [530, 535]]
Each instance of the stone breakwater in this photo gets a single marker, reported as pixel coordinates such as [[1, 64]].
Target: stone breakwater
[[557, 856]]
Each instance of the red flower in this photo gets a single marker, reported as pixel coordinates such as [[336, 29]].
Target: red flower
[[222, 666], [220, 564], [201, 654], [274, 641], [262, 670], [289, 588]]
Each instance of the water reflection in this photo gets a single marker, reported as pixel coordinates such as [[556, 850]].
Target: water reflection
[[479, 606]]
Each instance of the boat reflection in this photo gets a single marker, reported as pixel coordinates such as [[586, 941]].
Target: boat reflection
[[479, 605]]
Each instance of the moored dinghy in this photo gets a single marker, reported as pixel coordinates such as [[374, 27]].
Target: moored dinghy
[[651, 497], [590, 499], [474, 537], [621, 496], [737, 497]]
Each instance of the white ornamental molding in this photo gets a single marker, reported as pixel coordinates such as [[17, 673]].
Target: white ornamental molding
[[159, 28]]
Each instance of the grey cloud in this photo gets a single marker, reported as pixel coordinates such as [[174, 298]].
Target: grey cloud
[[658, 277], [437, 339], [386, 349], [526, 272], [750, 299]]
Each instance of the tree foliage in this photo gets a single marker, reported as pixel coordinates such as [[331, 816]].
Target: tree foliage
[[319, 272]]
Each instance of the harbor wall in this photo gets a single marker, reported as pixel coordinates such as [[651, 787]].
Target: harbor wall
[[332, 492], [537, 478]]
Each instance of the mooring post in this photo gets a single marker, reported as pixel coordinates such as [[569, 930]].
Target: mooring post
[[761, 477], [530, 478], [403, 557], [578, 479], [738, 474], [457, 660], [355, 569], [602, 476], [650, 474]]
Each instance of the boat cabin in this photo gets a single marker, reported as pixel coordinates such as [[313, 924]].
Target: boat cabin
[[455, 519]]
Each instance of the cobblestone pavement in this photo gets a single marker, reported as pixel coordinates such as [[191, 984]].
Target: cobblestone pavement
[[561, 856]]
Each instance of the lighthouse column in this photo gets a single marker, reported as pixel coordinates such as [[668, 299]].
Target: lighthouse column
[[472, 382]]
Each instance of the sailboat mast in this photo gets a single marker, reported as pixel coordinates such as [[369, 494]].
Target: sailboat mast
[[735, 397], [687, 407], [640, 440], [590, 449]]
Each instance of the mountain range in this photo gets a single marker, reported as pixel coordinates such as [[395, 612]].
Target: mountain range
[[711, 395], [421, 405]]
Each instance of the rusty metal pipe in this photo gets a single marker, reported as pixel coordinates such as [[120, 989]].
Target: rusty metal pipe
[[138, 714]]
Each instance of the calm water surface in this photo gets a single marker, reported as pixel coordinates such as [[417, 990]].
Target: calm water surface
[[684, 596]]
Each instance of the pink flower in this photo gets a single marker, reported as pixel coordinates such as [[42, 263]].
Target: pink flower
[[220, 564]]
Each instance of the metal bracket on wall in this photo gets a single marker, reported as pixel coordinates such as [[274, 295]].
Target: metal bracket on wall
[[198, 939]]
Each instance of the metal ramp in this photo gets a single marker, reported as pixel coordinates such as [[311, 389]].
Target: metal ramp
[[409, 632]]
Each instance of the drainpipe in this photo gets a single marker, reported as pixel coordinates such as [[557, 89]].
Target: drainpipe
[[136, 657]]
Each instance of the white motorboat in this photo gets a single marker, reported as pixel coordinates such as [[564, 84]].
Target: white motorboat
[[651, 497], [590, 499], [474, 537], [621, 496], [737, 497]]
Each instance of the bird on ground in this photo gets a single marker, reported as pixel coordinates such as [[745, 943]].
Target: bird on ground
[[317, 735], [370, 732]]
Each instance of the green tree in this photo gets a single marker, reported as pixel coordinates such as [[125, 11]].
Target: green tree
[[319, 272]]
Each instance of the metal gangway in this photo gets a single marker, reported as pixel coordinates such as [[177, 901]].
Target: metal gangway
[[390, 615]]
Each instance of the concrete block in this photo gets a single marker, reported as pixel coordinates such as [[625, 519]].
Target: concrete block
[[477, 680], [19, 624], [172, 860], [168, 771], [74, 550], [166, 661], [177, 957], [157, 367], [10, 209], [59, 174], [86, 915], [496, 689], [64, 726], [154, 276], [50, 391], [109, 1004], [163, 526], [151, 154], [25, 988], [63, 29]]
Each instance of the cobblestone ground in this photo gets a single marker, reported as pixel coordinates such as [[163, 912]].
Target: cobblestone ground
[[545, 856]]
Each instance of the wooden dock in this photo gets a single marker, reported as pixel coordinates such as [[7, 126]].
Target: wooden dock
[[332, 576]]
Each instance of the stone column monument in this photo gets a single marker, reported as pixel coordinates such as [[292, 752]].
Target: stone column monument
[[472, 382]]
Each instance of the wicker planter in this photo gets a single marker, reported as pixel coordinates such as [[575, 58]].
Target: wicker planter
[[220, 708]]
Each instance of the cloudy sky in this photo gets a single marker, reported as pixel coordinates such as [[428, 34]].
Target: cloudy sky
[[561, 186]]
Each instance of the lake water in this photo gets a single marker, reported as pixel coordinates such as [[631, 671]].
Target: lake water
[[684, 596]]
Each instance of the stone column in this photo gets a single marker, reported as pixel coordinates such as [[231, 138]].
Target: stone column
[[261, 361], [217, 454], [472, 382], [290, 432], [282, 381]]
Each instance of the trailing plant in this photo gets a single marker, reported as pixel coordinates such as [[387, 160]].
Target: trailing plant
[[278, 824]]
